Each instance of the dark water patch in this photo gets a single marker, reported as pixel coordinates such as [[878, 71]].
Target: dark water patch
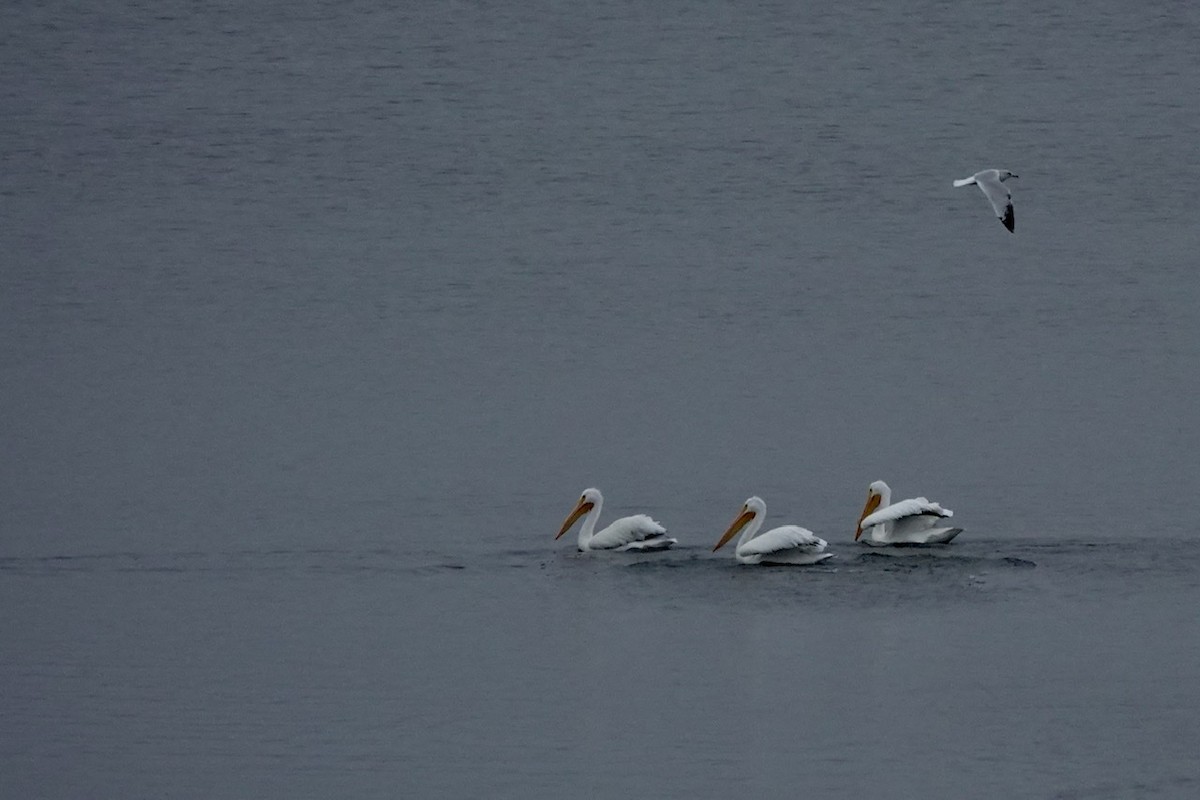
[[436, 569], [1168, 786], [96, 562], [912, 560], [651, 565]]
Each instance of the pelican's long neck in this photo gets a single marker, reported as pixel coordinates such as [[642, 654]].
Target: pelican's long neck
[[750, 531], [885, 496], [879, 496], [588, 529], [881, 532]]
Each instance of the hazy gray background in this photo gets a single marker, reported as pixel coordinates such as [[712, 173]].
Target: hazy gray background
[[316, 317]]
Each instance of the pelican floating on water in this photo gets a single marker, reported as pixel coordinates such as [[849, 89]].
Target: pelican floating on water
[[991, 183], [789, 544], [915, 521], [638, 532]]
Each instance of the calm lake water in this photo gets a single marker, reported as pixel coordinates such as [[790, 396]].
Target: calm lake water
[[317, 317]]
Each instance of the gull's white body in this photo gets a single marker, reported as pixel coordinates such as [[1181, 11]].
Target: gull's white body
[[991, 182], [638, 532], [789, 544], [907, 522]]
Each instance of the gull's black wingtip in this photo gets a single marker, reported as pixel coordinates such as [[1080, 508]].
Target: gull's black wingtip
[[1009, 219]]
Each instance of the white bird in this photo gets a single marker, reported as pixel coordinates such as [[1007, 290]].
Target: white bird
[[991, 181], [638, 532], [915, 521], [789, 544]]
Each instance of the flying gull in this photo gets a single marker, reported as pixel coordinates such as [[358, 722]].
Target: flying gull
[[991, 182]]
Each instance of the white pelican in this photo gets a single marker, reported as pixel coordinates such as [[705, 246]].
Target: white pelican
[[915, 521], [991, 181], [638, 532], [789, 544]]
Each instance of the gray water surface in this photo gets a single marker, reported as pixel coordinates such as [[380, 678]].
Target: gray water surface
[[317, 317]]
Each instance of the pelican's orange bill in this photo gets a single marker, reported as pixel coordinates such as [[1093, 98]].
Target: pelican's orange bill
[[872, 504], [579, 511], [734, 527]]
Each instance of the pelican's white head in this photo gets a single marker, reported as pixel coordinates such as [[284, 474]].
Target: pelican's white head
[[591, 496], [756, 504], [588, 500], [878, 494], [753, 509]]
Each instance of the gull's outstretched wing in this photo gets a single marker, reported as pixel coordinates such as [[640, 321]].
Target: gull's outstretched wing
[[999, 196]]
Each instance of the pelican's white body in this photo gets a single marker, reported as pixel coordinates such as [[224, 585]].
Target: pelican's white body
[[907, 522], [637, 532], [788, 544]]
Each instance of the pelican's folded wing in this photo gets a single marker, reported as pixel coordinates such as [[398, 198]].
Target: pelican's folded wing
[[788, 537], [627, 530], [915, 507]]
